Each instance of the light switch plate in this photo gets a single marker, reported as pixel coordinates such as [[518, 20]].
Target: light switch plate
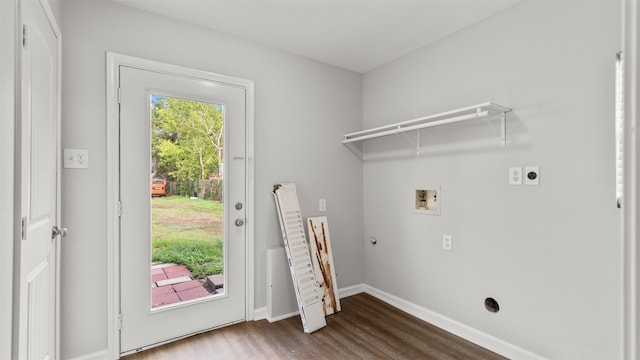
[[515, 176], [76, 159]]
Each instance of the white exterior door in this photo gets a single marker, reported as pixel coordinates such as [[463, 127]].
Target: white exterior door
[[40, 187], [142, 324]]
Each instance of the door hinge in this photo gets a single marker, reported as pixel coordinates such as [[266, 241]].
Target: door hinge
[[23, 235], [119, 95], [119, 321], [119, 208], [24, 35]]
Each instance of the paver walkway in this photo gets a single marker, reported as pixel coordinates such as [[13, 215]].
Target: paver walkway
[[172, 283]]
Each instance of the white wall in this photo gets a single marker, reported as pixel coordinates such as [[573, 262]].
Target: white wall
[[551, 254], [302, 107]]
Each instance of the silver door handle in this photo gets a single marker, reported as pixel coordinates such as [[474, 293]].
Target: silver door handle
[[239, 222], [55, 231]]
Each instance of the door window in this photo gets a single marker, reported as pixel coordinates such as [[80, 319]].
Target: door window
[[187, 222]]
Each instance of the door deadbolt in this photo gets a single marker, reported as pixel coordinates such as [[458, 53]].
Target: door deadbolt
[[238, 206]]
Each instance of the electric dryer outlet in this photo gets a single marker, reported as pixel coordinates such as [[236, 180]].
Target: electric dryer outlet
[[532, 175]]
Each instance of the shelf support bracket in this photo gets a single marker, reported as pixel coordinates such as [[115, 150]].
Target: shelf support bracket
[[407, 138], [503, 129], [354, 149], [417, 141]]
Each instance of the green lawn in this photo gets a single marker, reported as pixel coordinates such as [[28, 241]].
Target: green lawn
[[188, 232]]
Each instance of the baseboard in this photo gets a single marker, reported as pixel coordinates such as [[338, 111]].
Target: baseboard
[[98, 355], [457, 328], [351, 290], [260, 313], [263, 314], [282, 317]]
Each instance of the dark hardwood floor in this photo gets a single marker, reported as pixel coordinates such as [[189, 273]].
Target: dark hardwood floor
[[366, 328]]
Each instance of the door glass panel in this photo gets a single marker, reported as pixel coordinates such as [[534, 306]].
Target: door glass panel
[[187, 210]]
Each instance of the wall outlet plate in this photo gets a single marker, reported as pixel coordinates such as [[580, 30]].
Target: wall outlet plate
[[75, 158], [447, 242], [531, 175], [322, 205], [515, 176]]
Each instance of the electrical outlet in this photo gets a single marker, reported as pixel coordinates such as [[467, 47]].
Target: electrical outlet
[[515, 176], [447, 242], [322, 205], [531, 175]]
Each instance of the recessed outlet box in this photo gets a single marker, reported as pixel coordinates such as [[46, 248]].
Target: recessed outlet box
[[531, 175], [515, 176], [427, 199]]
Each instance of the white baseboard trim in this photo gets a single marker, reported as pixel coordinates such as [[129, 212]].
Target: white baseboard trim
[[457, 328], [260, 313], [98, 355], [351, 290], [282, 317]]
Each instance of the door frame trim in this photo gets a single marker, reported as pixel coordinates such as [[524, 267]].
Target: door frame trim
[[114, 61], [631, 201]]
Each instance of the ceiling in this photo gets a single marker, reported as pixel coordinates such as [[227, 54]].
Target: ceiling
[[357, 35]]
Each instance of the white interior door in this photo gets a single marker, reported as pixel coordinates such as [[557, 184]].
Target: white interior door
[[144, 325], [40, 189]]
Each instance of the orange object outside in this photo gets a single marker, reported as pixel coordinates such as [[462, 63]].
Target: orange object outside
[[158, 187]]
